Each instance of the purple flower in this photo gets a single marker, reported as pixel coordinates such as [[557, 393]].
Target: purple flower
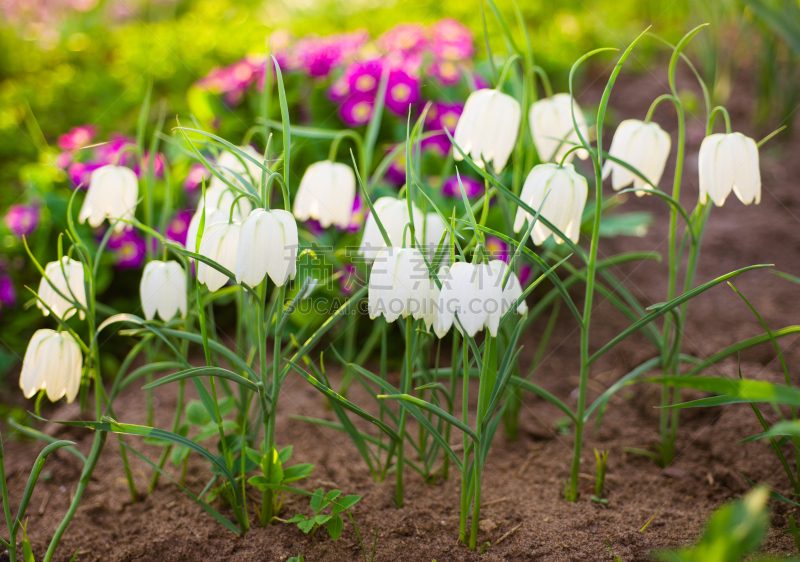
[[178, 227], [349, 279], [404, 38], [438, 144], [8, 295], [525, 274], [129, 249], [77, 137], [472, 187], [339, 89], [197, 173], [402, 91], [22, 219], [497, 249], [319, 55], [357, 110]]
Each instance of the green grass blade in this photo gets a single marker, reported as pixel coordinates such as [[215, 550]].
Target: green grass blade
[[542, 393], [204, 372]]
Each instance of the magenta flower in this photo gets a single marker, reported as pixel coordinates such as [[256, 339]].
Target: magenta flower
[[8, 295], [22, 219], [319, 55], [496, 248], [77, 137], [405, 38], [111, 151], [445, 72], [63, 160], [81, 173], [443, 115], [178, 227], [339, 89], [348, 282], [396, 172], [129, 249], [403, 90], [525, 273], [472, 187], [356, 110], [197, 173], [363, 77]]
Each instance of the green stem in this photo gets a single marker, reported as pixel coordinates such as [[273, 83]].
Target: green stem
[[462, 522], [267, 502], [451, 402], [12, 540], [477, 471], [405, 386]]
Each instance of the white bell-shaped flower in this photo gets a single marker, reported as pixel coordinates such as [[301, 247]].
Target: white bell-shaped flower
[[230, 165], [729, 162], [472, 296], [488, 127], [553, 130], [567, 191], [645, 146], [163, 290], [512, 290], [267, 246], [220, 243], [70, 279], [393, 214], [399, 284], [431, 317], [434, 229], [327, 192], [53, 362], [212, 215], [113, 192]]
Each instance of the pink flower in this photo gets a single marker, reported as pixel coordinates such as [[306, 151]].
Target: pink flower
[[81, 173], [357, 110], [472, 187], [396, 172], [77, 137], [197, 173], [358, 215], [363, 77], [445, 71], [22, 219], [319, 55], [452, 40], [404, 38], [111, 151], [438, 144], [129, 249], [158, 166]]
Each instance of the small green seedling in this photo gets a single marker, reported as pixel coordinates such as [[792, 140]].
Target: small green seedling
[[320, 501], [610, 551], [794, 531], [298, 558], [600, 478], [276, 474]]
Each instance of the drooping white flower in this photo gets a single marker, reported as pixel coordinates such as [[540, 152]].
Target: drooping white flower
[[472, 294], [434, 229], [52, 362], [488, 127], [512, 290], [645, 146], [327, 192], [220, 243], [69, 279], [113, 192], [212, 215], [393, 214], [267, 245], [230, 165], [567, 191], [399, 284], [163, 290], [551, 126], [729, 162]]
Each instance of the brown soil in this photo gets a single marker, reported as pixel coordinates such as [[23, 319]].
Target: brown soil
[[524, 478]]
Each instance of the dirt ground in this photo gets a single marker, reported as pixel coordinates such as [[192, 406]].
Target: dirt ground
[[523, 479]]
